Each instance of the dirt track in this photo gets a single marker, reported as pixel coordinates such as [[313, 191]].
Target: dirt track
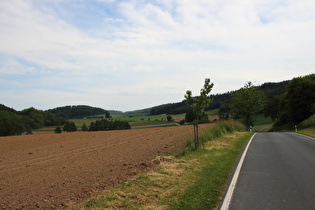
[[64, 170]]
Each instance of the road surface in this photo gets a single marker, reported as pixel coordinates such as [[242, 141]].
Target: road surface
[[278, 172]]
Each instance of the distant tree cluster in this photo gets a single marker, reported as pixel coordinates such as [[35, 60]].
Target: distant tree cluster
[[14, 122], [172, 108], [69, 127], [104, 125], [11, 124], [79, 112]]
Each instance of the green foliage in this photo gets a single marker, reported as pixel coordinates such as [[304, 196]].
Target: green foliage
[[272, 107], [247, 102], [225, 110], [297, 103], [25, 120], [104, 125], [308, 123], [171, 108], [79, 112], [69, 127], [169, 118], [190, 116], [198, 105], [58, 129], [210, 183], [36, 117], [10, 123], [84, 128], [222, 128]]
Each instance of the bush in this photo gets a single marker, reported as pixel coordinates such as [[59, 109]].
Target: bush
[[84, 128], [58, 129], [69, 127], [10, 124], [169, 118]]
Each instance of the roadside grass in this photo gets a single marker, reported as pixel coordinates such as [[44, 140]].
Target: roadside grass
[[188, 180], [308, 132], [308, 123]]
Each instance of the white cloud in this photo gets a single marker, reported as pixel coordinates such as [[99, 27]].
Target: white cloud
[[157, 49]]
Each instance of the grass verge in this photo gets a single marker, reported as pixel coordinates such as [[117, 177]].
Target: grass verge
[[308, 132], [189, 180]]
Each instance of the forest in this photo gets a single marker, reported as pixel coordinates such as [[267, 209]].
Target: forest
[[14, 122], [78, 112]]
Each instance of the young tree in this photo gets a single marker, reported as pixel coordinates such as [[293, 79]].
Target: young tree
[[69, 127], [169, 118], [73, 127], [84, 128], [247, 102], [198, 106], [58, 129]]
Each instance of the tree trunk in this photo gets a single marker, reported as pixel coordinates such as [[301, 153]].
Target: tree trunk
[[197, 136]]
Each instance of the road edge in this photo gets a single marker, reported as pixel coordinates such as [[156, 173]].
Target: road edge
[[228, 196]]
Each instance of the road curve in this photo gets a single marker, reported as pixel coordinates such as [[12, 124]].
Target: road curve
[[278, 172]]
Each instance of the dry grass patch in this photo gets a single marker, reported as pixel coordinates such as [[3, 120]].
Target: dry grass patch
[[154, 190], [308, 131]]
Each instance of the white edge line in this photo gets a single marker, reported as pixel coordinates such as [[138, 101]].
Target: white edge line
[[229, 193], [307, 137]]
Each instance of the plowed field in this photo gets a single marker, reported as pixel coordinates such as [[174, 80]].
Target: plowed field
[[64, 170]]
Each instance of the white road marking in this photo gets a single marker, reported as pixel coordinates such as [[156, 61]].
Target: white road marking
[[229, 193]]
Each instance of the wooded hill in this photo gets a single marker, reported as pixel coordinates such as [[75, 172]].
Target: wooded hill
[[269, 89], [14, 122], [78, 112]]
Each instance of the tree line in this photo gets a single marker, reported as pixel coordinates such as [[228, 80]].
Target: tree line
[[98, 125], [79, 112], [269, 90], [14, 122]]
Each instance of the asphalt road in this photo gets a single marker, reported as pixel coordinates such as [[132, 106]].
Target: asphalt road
[[278, 172]]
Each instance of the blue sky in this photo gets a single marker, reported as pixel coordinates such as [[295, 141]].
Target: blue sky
[[128, 55]]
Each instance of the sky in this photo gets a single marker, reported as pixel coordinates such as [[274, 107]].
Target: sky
[[133, 54]]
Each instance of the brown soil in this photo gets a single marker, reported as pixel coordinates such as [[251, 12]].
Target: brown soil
[[64, 170]]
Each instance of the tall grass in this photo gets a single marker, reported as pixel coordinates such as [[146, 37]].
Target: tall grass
[[308, 123], [220, 128]]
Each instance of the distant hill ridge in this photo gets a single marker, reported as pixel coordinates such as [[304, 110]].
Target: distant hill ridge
[[270, 90], [78, 112]]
